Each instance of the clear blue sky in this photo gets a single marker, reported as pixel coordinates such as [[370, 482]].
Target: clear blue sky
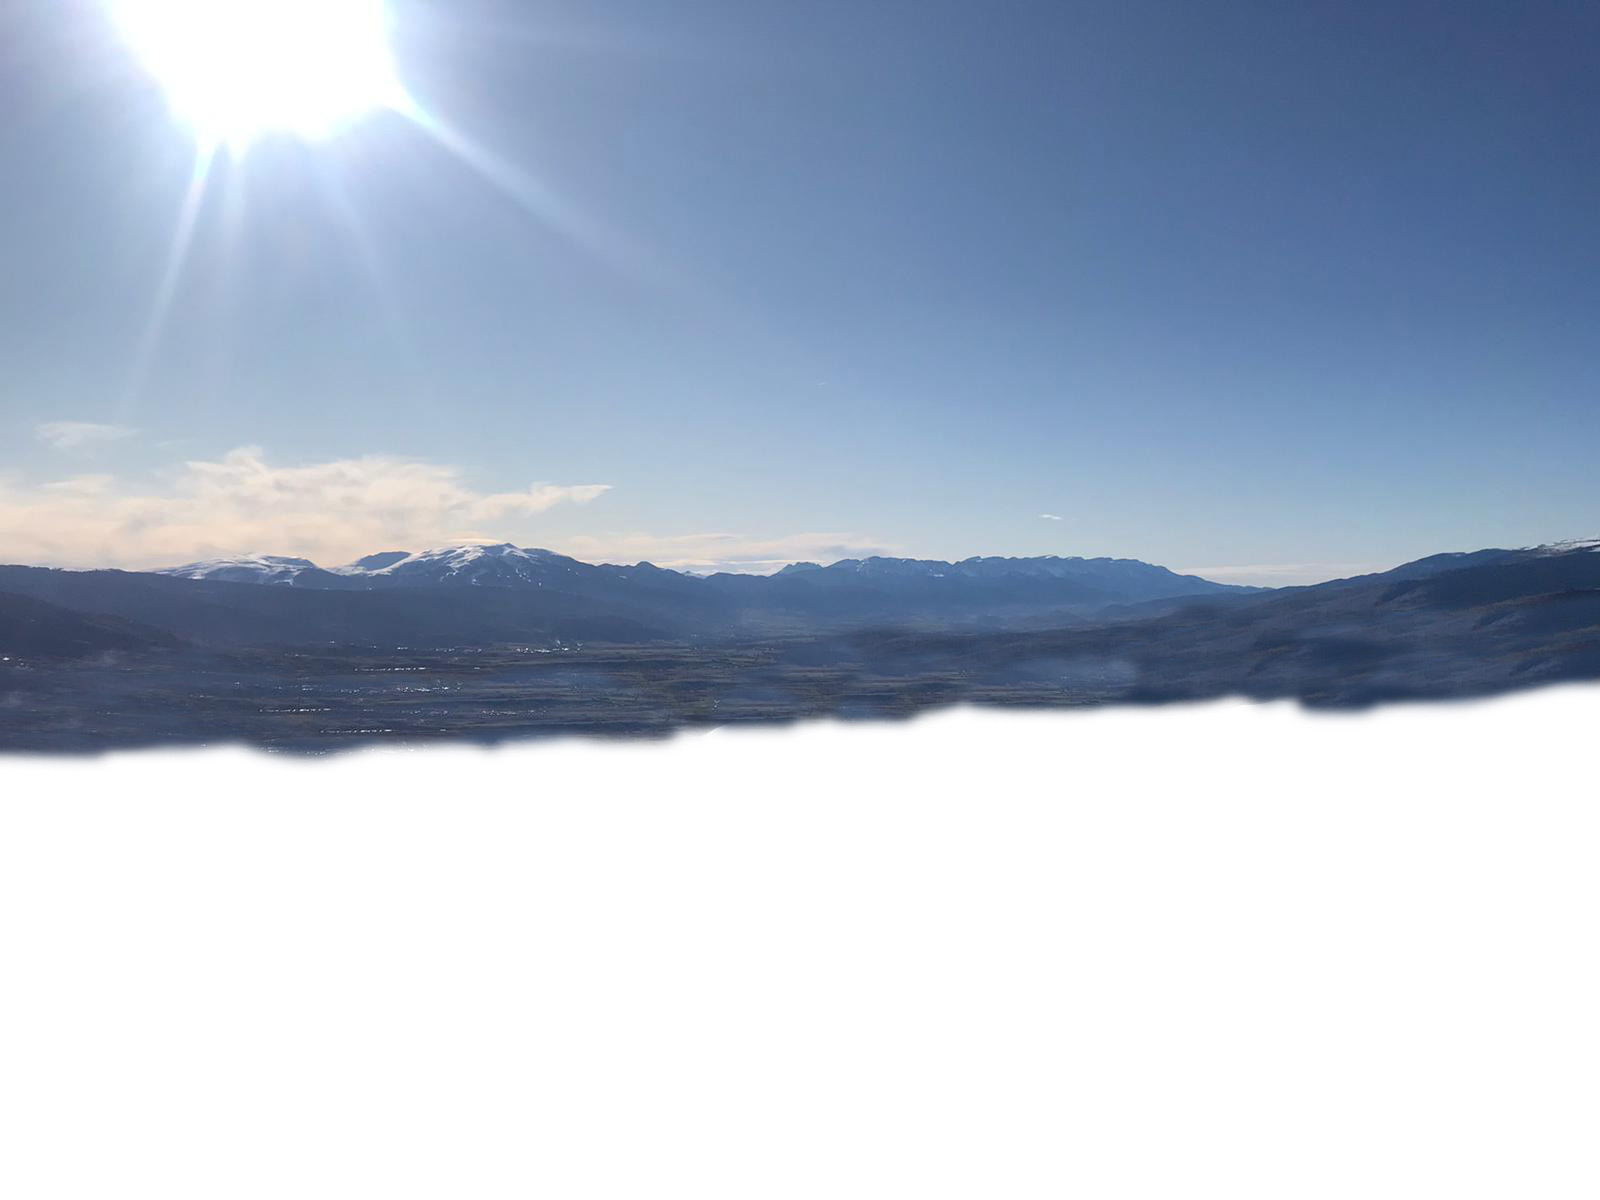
[[1231, 284]]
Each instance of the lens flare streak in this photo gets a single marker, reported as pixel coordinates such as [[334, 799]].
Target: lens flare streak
[[171, 274]]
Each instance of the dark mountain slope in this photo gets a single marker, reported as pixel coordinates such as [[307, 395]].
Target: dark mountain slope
[[247, 614], [1503, 623], [1436, 564], [31, 629], [1509, 577]]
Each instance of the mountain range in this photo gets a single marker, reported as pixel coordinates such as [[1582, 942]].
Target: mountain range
[[494, 642], [1087, 580], [500, 594], [476, 594]]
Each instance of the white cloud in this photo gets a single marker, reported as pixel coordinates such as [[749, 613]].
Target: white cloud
[[79, 435], [739, 553], [331, 512], [1048, 517]]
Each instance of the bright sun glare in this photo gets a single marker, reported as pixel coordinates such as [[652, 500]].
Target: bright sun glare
[[236, 70]]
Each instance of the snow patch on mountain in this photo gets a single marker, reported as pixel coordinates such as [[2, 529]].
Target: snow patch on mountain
[[1569, 547], [245, 568], [479, 563]]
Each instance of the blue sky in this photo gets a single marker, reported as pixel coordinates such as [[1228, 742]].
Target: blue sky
[[1278, 290]]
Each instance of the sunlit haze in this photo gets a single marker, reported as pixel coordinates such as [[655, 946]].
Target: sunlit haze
[[235, 70]]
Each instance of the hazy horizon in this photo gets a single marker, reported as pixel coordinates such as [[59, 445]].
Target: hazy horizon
[[1258, 575]]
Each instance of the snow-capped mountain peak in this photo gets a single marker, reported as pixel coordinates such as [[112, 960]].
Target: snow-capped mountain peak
[[474, 562], [245, 568]]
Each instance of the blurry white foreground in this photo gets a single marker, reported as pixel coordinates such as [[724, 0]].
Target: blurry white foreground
[[1226, 951]]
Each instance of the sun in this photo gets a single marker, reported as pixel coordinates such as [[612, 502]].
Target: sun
[[239, 70]]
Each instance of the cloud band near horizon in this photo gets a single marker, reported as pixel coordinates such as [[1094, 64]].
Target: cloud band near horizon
[[241, 503], [335, 512]]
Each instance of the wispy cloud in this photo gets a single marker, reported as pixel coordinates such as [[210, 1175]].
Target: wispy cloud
[[739, 553], [1284, 574], [79, 435], [1048, 517], [331, 512]]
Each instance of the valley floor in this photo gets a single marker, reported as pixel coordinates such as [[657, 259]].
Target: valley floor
[[327, 699]]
